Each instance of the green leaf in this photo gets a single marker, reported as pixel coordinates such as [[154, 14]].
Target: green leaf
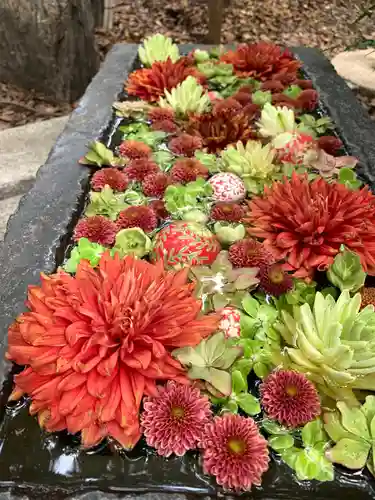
[[332, 425], [244, 366], [230, 406], [261, 370], [251, 306], [248, 403], [353, 420], [351, 453], [293, 91], [272, 427], [239, 382], [313, 433], [368, 409], [280, 443], [248, 326]]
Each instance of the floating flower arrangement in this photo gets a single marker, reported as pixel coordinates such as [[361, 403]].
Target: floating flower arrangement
[[216, 296]]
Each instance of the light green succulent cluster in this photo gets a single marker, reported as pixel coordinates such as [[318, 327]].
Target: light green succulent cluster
[[333, 343], [275, 120], [106, 202], [132, 241], [100, 155], [84, 250], [346, 271], [158, 48], [188, 97], [188, 202], [254, 163]]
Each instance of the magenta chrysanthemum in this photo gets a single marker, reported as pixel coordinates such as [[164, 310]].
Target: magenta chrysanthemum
[[112, 177], [274, 280], [97, 229], [173, 421], [290, 398], [141, 216], [234, 452]]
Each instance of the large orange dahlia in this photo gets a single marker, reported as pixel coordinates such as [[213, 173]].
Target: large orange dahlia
[[95, 343], [304, 224], [150, 83], [262, 61]]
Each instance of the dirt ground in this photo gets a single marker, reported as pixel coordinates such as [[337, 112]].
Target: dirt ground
[[317, 23]]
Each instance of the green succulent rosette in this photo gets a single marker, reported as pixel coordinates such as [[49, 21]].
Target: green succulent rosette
[[107, 203], [158, 48], [346, 271], [187, 97], [84, 250], [132, 241]]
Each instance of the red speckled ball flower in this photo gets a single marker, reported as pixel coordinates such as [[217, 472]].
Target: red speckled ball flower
[[112, 177], [97, 229], [155, 184], [134, 149], [230, 212], [139, 169], [185, 145], [290, 398], [158, 206], [234, 452], [142, 216], [330, 144], [173, 421], [188, 170], [368, 296], [249, 253], [275, 281]]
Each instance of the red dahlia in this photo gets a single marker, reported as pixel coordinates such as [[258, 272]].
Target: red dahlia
[[139, 169], [95, 343], [234, 452], [173, 421], [275, 281], [142, 216], [262, 61], [151, 83], [112, 177], [185, 145], [155, 184], [305, 223], [97, 229], [188, 170], [290, 398], [250, 253], [134, 149], [230, 212]]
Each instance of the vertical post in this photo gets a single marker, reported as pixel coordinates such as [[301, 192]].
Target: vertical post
[[215, 20], [108, 14]]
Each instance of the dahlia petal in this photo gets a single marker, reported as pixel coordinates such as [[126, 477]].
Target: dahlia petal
[[70, 399], [127, 438], [97, 385], [71, 381], [138, 386], [107, 408], [74, 423], [92, 435], [76, 331], [107, 366]]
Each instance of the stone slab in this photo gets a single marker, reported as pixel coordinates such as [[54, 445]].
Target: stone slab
[[7, 208], [23, 150]]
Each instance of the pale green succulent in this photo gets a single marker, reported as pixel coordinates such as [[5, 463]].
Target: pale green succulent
[[188, 97], [346, 271], [275, 120], [84, 250], [132, 241], [100, 155], [228, 233], [106, 202], [333, 343], [158, 48], [254, 163]]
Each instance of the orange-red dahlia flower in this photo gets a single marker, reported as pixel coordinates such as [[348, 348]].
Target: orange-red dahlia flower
[[305, 223], [261, 61], [150, 83], [95, 343]]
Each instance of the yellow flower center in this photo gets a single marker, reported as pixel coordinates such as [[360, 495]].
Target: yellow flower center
[[177, 412], [277, 275], [236, 445], [291, 390]]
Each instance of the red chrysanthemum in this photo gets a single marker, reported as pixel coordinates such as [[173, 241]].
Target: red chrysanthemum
[[330, 144], [234, 452], [158, 206], [185, 145], [112, 177], [249, 253], [139, 169], [280, 99], [289, 398], [262, 61], [161, 114], [188, 170], [166, 126], [368, 296], [274, 280], [97, 229], [155, 184], [95, 343], [173, 421], [138, 216], [305, 223], [150, 84], [134, 149], [230, 212]]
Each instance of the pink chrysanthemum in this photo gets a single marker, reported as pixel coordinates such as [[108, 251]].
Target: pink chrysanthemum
[[185, 145], [134, 149], [155, 184], [142, 216], [97, 229], [290, 398], [250, 253], [139, 169], [234, 452], [274, 280], [173, 421], [112, 177], [158, 206]]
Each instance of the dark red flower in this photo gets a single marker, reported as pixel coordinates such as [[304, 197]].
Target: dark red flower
[[188, 170], [307, 100], [97, 229], [275, 281], [289, 398], [230, 212], [155, 184], [280, 99], [304, 84], [274, 86], [250, 253], [262, 61], [150, 84], [185, 145], [165, 126], [161, 114], [174, 420], [330, 144], [141, 216], [139, 169], [112, 177], [305, 223], [158, 206], [368, 296], [234, 452], [134, 149]]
